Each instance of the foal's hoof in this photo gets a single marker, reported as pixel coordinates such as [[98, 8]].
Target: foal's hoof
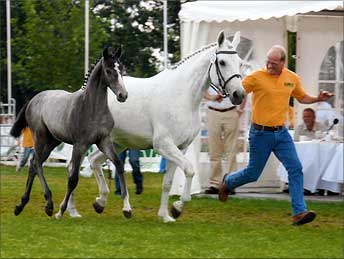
[[18, 210], [175, 212], [49, 209], [99, 209], [127, 214]]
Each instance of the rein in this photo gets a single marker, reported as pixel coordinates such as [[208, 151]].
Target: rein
[[220, 77]]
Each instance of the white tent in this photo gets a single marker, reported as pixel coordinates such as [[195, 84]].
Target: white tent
[[319, 27], [265, 23]]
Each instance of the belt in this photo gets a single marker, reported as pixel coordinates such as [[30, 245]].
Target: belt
[[221, 110], [261, 127]]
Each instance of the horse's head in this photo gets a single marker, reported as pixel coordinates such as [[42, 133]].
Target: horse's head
[[111, 68], [224, 70]]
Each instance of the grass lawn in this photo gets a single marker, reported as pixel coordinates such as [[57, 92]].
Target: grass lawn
[[240, 228]]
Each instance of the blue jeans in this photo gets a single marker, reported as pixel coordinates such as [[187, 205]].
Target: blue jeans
[[27, 152], [262, 143], [162, 167], [134, 160]]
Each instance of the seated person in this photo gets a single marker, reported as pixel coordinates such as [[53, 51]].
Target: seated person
[[309, 127]]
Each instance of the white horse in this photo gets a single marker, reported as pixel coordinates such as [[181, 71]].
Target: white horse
[[162, 112]]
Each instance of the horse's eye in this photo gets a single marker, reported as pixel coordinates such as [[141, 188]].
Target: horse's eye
[[222, 63]]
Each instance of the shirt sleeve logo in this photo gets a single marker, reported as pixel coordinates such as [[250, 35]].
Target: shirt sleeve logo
[[287, 84]]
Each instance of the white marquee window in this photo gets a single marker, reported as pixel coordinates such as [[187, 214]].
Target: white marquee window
[[331, 78]]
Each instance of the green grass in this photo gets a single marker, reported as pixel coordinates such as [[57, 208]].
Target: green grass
[[241, 228]]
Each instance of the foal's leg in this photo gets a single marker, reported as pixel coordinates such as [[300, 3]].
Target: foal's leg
[[26, 196], [106, 146], [42, 152], [71, 208], [73, 177], [97, 158], [167, 149]]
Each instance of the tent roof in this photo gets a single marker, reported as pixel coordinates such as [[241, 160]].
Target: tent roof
[[219, 11]]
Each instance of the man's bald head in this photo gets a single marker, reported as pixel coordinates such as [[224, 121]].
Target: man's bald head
[[276, 57]]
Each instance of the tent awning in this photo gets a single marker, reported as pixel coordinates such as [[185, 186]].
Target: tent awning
[[219, 11]]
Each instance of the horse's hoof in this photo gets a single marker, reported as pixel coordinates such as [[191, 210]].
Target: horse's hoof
[[168, 219], [175, 212], [99, 209], [49, 209], [127, 214], [17, 210], [58, 215]]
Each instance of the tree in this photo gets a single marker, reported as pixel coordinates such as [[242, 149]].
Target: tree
[[138, 26], [48, 40]]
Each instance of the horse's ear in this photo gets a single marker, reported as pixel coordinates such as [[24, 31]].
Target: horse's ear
[[106, 53], [118, 52], [221, 38], [236, 39]]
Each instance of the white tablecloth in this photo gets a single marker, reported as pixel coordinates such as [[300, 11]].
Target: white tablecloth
[[322, 165]]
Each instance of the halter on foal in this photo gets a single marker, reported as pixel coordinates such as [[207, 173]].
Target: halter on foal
[[81, 118]]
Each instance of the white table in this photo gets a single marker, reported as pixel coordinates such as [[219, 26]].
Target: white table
[[322, 165]]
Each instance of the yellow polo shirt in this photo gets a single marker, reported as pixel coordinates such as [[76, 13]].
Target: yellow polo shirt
[[270, 95], [27, 138]]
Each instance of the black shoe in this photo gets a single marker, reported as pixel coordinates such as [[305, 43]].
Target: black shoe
[[231, 192], [212, 190], [118, 192], [139, 188], [307, 192], [321, 192]]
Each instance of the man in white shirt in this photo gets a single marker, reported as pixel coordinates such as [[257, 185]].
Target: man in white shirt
[[309, 128], [223, 131]]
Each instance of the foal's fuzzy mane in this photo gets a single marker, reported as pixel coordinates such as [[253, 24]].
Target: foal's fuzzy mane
[[193, 54], [83, 87]]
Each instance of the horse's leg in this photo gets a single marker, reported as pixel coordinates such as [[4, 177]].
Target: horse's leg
[[106, 146], [26, 196], [73, 177], [73, 212], [170, 151], [42, 152], [97, 158], [166, 187]]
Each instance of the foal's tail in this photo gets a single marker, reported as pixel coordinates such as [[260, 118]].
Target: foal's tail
[[20, 123]]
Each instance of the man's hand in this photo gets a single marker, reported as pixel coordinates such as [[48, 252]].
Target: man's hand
[[324, 95]]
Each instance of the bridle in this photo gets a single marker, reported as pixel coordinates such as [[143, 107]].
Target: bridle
[[222, 81]]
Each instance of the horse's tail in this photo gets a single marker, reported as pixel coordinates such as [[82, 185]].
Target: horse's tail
[[20, 122]]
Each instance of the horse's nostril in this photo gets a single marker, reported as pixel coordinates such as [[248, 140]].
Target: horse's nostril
[[235, 95]]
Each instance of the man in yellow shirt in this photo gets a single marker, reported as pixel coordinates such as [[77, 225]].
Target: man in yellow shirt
[[271, 89], [28, 145]]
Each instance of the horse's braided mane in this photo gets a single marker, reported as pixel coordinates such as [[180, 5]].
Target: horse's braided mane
[[92, 66], [193, 54]]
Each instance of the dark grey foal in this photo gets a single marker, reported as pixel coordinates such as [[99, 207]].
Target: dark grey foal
[[81, 118]]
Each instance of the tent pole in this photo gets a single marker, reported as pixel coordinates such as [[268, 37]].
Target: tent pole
[[165, 35], [87, 7], [9, 68]]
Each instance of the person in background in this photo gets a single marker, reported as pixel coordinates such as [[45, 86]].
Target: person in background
[[272, 88], [291, 113], [223, 132], [163, 164], [309, 128], [28, 145], [134, 160]]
